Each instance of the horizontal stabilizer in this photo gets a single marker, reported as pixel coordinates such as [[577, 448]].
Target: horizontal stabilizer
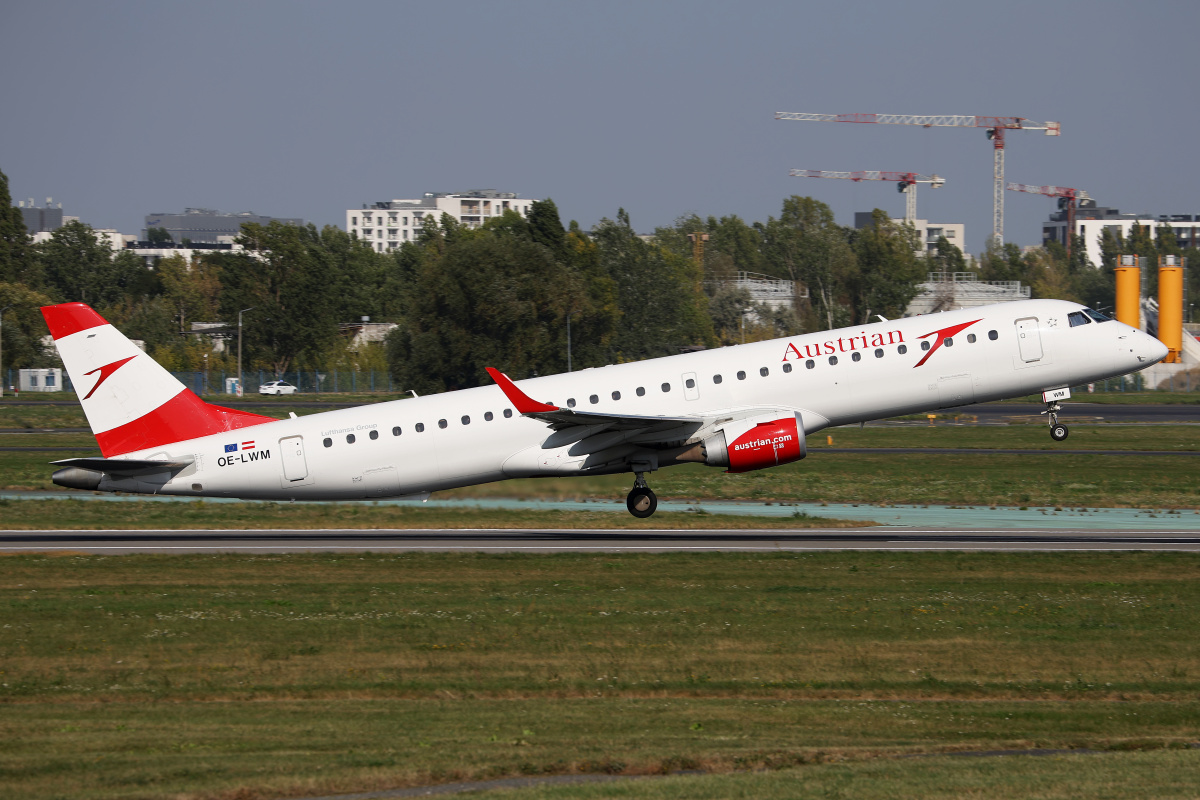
[[123, 466]]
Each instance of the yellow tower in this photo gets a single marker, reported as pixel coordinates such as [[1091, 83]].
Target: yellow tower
[[1129, 291], [1170, 307]]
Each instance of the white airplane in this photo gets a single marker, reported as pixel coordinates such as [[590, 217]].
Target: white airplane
[[743, 408]]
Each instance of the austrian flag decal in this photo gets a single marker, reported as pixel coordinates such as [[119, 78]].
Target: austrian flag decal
[[233, 448]]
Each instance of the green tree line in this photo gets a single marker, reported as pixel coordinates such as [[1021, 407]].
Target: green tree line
[[506, 293]]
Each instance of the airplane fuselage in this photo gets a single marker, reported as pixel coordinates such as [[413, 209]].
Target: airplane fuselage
[[828, 378]]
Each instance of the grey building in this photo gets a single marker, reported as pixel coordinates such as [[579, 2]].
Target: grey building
[[208, 225], [41, 220]]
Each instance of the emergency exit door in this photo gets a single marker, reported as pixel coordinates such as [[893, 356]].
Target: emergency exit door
[[1029, 339], [295, 468]]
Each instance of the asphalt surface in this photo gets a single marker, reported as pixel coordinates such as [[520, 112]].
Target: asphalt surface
[[597, 541]]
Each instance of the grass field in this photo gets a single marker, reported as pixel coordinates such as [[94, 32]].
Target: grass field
[[247, 677], [982, 478]]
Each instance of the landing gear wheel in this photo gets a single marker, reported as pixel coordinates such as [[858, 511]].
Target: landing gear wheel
[[1058, 431], [641, 502]]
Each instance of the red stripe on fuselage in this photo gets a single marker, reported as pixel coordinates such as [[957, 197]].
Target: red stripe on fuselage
[[184, 416], [67, 318]]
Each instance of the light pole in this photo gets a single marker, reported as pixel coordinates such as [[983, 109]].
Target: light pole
[[2, 310], [568, 342], [243, 311]]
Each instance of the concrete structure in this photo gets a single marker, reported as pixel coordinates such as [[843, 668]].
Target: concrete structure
[[40, 380], [388, 224], [151, 254], [207, 225], [928, 232], [947, 291], [1091, 220]]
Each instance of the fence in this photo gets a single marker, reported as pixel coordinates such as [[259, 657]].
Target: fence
[[379, 381], [213, 382]]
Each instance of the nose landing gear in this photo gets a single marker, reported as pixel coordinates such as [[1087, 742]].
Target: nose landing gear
[[641, 501], [1058, 431]]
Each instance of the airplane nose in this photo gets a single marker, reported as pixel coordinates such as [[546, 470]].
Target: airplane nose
[[1152, 350]]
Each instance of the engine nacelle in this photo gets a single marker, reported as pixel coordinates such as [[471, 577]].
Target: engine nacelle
[[765, 440]]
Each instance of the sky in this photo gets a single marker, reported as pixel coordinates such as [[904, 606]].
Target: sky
[[292, 108]]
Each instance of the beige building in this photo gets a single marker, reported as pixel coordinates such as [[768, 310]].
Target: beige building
[[388, 224]]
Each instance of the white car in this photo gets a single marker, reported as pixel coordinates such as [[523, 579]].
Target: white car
[[277, 387]]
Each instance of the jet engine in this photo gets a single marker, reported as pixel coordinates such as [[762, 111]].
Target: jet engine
[[764, 440]]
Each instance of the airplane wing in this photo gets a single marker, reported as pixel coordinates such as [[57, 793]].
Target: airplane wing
[[571, 426]]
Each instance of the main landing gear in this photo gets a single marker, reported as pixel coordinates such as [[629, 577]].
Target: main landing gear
[[641, 501], [1058, 431]]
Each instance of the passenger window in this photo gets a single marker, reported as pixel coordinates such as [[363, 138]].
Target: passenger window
[[442, 423], [810, 364], [420, 427], [856, 356], [396, 431], [466, 420], [925, 345], [666, 387], [616, 395], [741, 375], [507, 413], [594, 399], [641, 391], [993, 335], [349, 438], [764, 372], [487, 416], [832, 360], [787, 367], [690, 383], [970, 338], [570, 402], [327, 442], [717, 379], [949, 341], [1077, 318], [902, 349], [374, 435], [879, 352]]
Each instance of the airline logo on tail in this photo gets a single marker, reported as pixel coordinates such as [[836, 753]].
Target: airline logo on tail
[[105, 372]]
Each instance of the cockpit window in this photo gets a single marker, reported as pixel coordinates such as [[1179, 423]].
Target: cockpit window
[[1077, 318], [1096, 315]]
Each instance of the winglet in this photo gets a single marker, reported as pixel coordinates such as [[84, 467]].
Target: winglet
[[524, 403]]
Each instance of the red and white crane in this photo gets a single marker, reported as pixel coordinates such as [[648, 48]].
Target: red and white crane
[[905, 181], [1067, 200], [996, 126]]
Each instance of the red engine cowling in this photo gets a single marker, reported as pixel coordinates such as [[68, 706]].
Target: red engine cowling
[[766, 440]]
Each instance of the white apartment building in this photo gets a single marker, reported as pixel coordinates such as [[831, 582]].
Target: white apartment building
[[388, 224], [1091, 220], [928, 232]]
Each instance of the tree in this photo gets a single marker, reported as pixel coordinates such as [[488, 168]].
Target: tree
[[159, 237], [14, 239], [658, 293], [946, 257], [78, 267], [23, 328], [888, 269], [286, 278], [491, 299]]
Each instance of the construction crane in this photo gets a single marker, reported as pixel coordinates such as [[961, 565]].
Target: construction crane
[[996, 126], [1068, 199], [905, 181]]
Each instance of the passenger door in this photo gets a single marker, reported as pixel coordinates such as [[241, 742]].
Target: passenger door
[[1029, 339], [295, 468]]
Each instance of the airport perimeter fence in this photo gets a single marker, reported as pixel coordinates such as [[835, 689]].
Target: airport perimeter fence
[[380, 381], [215, 382]]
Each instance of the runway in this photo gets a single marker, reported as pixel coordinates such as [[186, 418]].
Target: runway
[[117, 542]]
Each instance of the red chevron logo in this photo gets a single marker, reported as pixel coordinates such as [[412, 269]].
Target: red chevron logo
[[105, 372], [942, 335]]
